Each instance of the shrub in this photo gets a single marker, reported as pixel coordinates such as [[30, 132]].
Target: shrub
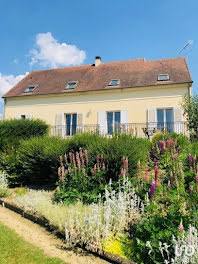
[[12, 131], [38, 159]]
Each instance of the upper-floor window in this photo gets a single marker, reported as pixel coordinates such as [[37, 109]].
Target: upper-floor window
[[113, 122], [114, 82], [71, 85], [30, 88], [163, 77]]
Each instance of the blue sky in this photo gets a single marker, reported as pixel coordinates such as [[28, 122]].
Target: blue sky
[[38, 34]]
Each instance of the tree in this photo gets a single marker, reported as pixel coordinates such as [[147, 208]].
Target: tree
[[190, 107]]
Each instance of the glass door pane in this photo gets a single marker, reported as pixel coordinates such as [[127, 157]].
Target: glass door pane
[[169, 120], [68, 124], [117, 122], [110, 122], [160, 119], [74, 123]]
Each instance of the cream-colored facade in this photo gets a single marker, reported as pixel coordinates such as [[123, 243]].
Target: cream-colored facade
[[136, 104]]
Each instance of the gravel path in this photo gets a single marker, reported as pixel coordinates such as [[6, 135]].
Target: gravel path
[[39, 237]]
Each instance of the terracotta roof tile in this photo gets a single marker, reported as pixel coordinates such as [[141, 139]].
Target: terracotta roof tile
[[132, 73]]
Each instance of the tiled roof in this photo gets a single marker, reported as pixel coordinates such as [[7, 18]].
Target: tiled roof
[[131, 73]]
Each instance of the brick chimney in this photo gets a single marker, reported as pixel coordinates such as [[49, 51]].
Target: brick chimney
[[97, 61]]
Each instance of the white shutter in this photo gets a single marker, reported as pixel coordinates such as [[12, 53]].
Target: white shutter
[[79, 122], [152, 119], [18, 117], [28, 116], [60, 127], [102, 122], [178, 120], [124, 120]]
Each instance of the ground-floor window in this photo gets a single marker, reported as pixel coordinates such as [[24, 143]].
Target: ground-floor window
[[113, 122], [71, 124], [165, 119]]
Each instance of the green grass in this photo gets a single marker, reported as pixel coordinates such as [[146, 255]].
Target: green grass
[[14, 250]]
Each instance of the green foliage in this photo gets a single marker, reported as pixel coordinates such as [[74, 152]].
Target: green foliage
[[190, 106], [173, 199], [12, 131], [15, 250], [20, 191]]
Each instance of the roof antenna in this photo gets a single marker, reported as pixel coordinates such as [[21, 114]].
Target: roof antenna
[[185, 48]]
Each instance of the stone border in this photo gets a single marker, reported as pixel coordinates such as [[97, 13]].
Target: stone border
[[42, 221]]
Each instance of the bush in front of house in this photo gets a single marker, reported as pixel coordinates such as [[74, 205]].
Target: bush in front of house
[[12, 131], [36, 161]]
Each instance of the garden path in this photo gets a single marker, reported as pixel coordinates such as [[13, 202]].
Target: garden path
[[39, 237]]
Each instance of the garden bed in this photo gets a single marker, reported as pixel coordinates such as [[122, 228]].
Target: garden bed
[[42, 221]]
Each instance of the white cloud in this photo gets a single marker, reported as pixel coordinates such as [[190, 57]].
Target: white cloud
[[8, 81], [50, 53]]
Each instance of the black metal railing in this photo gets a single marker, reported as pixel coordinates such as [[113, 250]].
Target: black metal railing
[[64, 131], [142, 130]]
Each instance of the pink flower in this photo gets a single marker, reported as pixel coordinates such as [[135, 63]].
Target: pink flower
[[181, 227], [122, 173], [161, 144], [153, 150], [173, 157], [66, 161], [163, 149], [125, 164], [78, 160], [70, 157], [102, 159], [152, 189], [179, 150], [95, 169], [98, 159], [156, 173], [103, 167], [146, 175], [167, 143], [169, 185], [155, 162], [190, 159]]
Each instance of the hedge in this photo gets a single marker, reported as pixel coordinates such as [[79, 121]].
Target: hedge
[[12, 131], [36, 160]]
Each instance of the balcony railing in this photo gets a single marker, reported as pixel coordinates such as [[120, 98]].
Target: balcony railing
[[142, 130]]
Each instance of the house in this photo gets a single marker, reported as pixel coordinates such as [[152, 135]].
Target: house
[[134, 96]]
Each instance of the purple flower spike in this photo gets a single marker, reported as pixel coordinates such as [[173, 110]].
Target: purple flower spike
[[155, 162], [153, 150], [173, 157], [152, 190], [163, 149], [167, 143], [179, 150], [161, 144], [190, 159]]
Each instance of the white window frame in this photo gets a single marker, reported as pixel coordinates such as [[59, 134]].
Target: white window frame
[[71, 120], [113, 124], [30, 86], [67, 86], [159, 76], [114, 80]]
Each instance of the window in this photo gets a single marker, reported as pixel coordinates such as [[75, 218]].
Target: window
[[113, 122], [30, 88], [22, 116], [71, 124], [165, 119], [163, 77], [71, 85], [114, 82]]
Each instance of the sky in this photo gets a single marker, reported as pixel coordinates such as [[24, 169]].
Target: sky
[[37, 34]]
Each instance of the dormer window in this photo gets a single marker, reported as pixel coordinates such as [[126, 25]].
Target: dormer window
[[71, 85], [30, 88], [114, 82], [163, 77]]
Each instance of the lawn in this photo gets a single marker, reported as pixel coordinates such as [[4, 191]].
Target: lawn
[[14, 250]]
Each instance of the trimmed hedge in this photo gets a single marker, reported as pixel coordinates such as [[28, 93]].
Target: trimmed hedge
[[12, 131], [36, 160]]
